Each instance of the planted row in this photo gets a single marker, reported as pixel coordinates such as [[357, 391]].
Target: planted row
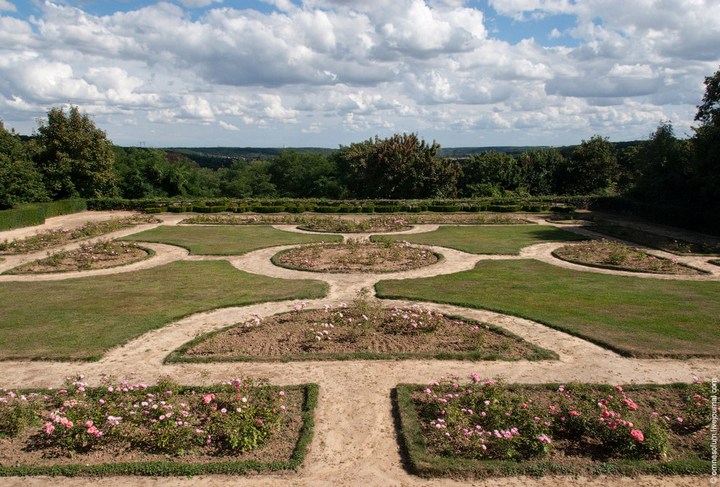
[[483, 426]]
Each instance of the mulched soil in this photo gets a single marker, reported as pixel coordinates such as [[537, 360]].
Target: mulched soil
[[356, 257], [347, 331]]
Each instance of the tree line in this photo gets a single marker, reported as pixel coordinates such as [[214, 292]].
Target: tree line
[[70, 157]]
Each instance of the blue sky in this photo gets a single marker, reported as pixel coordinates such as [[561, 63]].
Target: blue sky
[[330, 72]]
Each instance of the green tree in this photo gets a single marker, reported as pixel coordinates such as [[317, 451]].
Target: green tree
[[20, 182], [490, 174], [305, 175], [707, 142], [74, 157], [540, 170], [592, 168], [401, 166], [664, 166], [247, 179]]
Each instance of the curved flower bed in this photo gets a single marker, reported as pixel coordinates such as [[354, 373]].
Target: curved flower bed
[[120, 427], [99, 255], [356, 256], [452, 427], [343, 225], [359, 331], [60, 236], [615, 255]]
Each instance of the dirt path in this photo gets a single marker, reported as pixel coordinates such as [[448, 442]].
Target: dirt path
[[355, 441]]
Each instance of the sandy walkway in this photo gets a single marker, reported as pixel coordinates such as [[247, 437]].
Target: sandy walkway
[[355, 441]]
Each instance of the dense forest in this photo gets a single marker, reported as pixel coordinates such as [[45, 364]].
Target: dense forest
[[70, 157]]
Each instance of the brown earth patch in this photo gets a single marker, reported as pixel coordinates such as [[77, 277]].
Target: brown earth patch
[[616, 255], [362, 331], [91, 256], [356, 256]]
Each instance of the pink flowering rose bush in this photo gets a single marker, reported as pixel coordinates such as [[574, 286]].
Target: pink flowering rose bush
[[230, 418], [486, 420]]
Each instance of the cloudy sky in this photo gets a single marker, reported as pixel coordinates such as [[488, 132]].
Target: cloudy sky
[[273, 73]]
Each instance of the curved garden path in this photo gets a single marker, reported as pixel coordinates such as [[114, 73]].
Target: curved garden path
[[355, 441]]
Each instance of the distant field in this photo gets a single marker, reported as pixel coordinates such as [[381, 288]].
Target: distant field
[[230, 240], [642, 317], [488, 240]]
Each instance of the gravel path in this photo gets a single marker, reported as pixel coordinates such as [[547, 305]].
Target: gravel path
[[354, 444]]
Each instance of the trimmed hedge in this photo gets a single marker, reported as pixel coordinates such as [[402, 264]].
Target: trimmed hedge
[[290, 205], [29, 215], [63, 207], [22, 217]]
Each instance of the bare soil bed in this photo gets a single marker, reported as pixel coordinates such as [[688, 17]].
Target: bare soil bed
[[356, 256], [99, 255], [345, 225], [360, 331], [615, 255]]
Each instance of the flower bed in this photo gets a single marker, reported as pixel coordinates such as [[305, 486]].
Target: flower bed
[[484, 428], [355, 256], [615, 255], [362, 330], [355, 220], [657, 241], [365, 225], [53, 238], [166, 429], [99, 255]]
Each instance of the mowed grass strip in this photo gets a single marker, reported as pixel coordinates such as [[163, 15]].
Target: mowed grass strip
[[226, 240], [633, 316], [79, 319], [506, 240]]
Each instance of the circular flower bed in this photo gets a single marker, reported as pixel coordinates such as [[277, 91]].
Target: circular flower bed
[[341, 225], [362, 330], [615, 255], [98, 255], [355, 256]]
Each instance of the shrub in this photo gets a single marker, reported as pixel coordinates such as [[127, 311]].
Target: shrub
[[444, 208], [268, 209]]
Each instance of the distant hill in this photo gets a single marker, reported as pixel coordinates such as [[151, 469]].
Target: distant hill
[[216, 157]]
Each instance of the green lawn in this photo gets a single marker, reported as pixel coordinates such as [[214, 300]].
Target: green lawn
[[226, 240], [82, 318], [642, 317], [488, 240]]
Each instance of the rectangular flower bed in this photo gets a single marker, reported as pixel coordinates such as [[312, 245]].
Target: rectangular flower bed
[[134, 429], [481, 428]]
